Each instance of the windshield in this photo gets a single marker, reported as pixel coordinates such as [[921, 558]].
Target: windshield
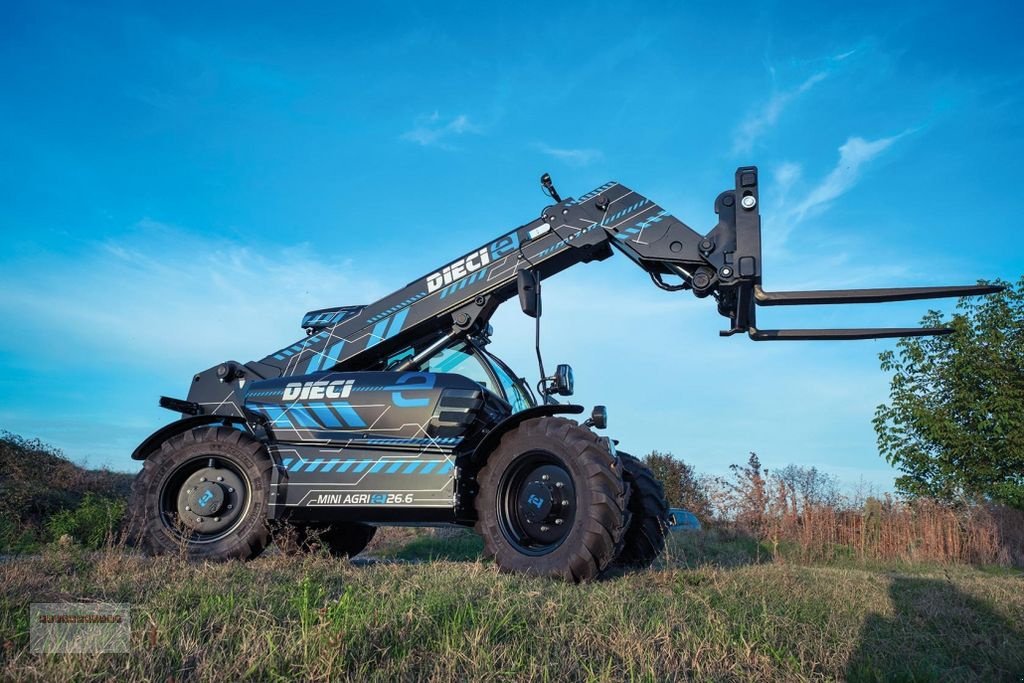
[[468, 360], [460, 360], [515, 389]]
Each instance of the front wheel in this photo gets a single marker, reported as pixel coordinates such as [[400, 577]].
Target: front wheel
[[203, 494], [552, 501]]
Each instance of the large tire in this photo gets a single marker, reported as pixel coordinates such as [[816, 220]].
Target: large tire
[[648, 525], [204, 495], [340, 539], [545, 470]]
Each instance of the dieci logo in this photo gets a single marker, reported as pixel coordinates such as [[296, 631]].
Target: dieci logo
[[302, 391], [472, 262]]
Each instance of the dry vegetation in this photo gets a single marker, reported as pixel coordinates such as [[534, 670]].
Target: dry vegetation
[[791, 580], [717, 609]]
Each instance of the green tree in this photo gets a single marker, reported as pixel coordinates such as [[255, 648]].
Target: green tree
[[682, 487], [954, 425]]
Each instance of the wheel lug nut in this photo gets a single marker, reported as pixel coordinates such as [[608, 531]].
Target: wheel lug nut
[[217, 519], [559, 522], [230, 490], [545, 528], [220, 478], [230, 506], [188, 509], [559, 484], [202, 478], [199, 519], [545, 477]]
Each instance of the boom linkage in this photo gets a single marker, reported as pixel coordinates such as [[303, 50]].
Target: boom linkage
[[460, 297]]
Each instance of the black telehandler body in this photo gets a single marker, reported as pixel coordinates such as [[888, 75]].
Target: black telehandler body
[[396, 413]]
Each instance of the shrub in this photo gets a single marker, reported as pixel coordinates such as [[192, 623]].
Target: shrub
[[94, 521]]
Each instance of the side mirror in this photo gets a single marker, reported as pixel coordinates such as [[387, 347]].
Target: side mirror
[[561, 382], [598, 418], [529, 292]]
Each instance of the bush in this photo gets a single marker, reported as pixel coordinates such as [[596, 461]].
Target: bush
[[94, 521]]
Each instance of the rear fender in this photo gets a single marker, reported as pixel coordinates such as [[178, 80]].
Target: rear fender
[[153, 441], [490, 442]]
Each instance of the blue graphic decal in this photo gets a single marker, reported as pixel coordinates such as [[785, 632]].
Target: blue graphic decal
[[504, 245], [321, 466], [455, 286], [536, 501], [635, 229], [426, 382]]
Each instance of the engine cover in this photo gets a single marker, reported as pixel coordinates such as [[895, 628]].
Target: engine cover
[[364, 444]]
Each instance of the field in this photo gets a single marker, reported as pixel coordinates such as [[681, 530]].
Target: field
[[427, 607]]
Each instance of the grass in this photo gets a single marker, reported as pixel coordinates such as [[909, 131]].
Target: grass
[[718, 609]]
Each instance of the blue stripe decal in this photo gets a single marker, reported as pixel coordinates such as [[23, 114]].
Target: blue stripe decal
[[394, 468], [296, 466], [314, 362], [313, 464], [276, 416], [378, 467], [326, 416], [411, 467], [397, 321], [285, 462], [362, 466], [332, 355], [345, 465], [378, 332], [428, 468], [302, 419], [348, 414], [445, 468]]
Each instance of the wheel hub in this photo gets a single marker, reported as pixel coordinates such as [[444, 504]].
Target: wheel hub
[[536, 502], [206, 498], [210, 500], [541, 497]]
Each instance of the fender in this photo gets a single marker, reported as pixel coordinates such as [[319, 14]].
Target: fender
[[489, 442], [153, 441]]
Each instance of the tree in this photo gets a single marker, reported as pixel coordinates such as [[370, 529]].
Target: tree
[[682, 487], [749, 493], [954, 425]]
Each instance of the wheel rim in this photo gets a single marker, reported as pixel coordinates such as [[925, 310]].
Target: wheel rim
[[536, 503], [204, 499]]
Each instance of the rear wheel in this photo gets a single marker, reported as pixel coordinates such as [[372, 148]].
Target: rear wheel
[[340, 539], [645, 536], [552, 501], [204, 494]]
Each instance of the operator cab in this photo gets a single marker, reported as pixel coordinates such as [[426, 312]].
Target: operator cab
[[470, 359]]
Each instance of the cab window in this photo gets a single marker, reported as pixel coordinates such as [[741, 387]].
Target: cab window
[[515, 393], [459, 361]]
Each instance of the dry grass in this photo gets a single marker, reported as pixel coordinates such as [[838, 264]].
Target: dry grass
[[921, 531], [710, 613]]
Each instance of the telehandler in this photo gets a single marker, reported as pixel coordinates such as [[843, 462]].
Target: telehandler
[[396, 413]]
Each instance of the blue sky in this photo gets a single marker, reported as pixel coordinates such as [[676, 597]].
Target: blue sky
[[180, 184]]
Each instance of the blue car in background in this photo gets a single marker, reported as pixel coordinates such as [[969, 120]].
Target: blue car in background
[[682, 520]]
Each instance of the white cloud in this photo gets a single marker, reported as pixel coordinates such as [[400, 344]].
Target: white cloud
[[432, 131], [572, 157], [767, 116], [165, 296], [785, 176], [853, 155]]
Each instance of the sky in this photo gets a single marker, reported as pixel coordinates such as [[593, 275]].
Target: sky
[[179, 184]]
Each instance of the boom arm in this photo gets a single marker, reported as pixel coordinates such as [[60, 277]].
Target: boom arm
[[462, 296]]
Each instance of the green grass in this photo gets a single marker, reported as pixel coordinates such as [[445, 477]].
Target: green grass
[[717, 610]]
